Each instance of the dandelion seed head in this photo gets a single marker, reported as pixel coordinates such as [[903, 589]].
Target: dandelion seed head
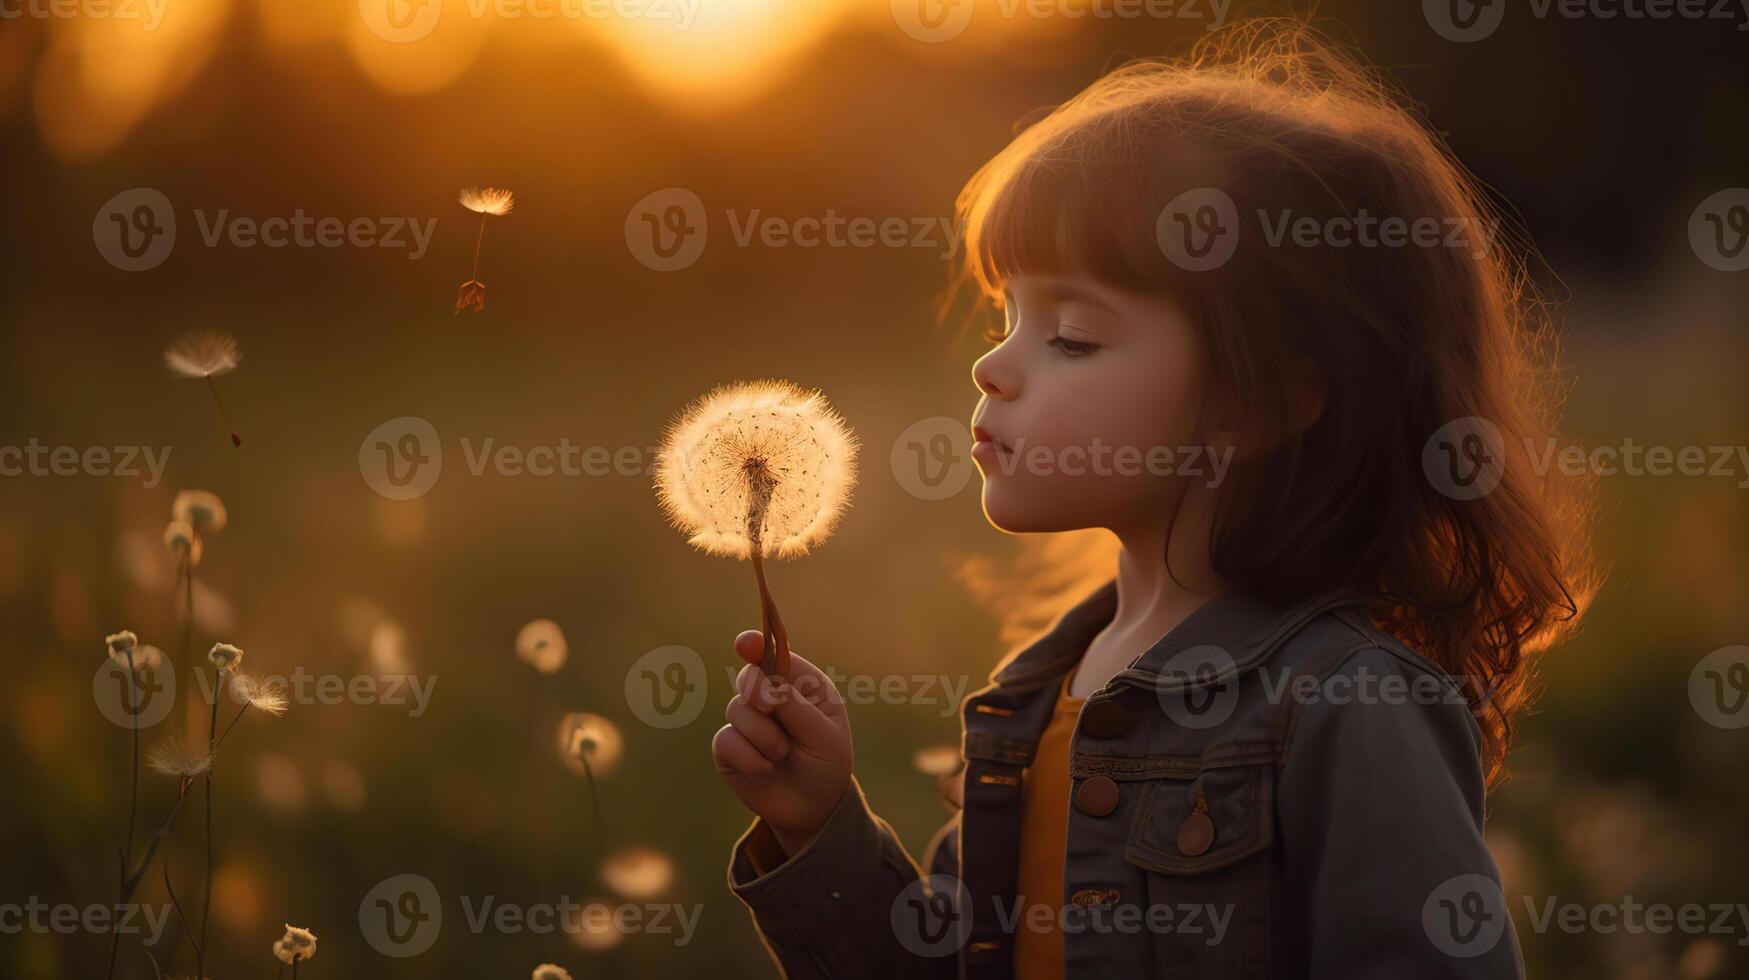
[[262, 695], [638, 872], [296, 944], [541, 644], [224, 656], [592, 738], [548, 971], [740, 435], [173, 758], [488, 200], [121, 643], [207, 354], [183, 543], [201, 510]]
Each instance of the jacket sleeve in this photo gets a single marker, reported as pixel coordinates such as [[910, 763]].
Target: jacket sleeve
[[825, 912], [1380, 811]]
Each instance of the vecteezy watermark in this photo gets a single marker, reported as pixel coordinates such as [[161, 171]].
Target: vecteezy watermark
[[932, 458], [1466, 458], [1200, 230], [932, 916], [34, 915], [1208, 464], [667, 230], [35, 459], [136, 230], [667, 687], [403, 457], [1718, 687], [410, 691], [402, 916], [150, 12], [139, 699], [938, 21], [1463, 21], [1466, 916], [406, 21], [1718, 230], [944, 692]]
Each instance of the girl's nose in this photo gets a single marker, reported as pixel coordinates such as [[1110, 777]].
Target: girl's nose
[[994, 376]]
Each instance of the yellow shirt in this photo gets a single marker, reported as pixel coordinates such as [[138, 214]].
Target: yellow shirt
[[1044, 836]]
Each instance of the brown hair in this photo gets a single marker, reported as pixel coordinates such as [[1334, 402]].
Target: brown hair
[[1404, 340]]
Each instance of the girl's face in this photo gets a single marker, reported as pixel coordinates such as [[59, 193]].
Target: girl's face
[[1090, 405]]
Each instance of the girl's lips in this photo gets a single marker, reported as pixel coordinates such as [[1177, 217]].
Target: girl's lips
[[987, 447]]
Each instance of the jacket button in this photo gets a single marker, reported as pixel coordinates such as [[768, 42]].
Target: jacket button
[[1097, 796], [1195, 835], [1105, 719]]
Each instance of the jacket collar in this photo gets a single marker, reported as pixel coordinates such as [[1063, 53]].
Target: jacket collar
[[1229, 634]]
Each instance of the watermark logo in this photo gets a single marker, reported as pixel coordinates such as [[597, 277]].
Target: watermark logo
[[137, 700], [1465, 916], [1465, 458], [1718, 687], [667, 687], [401, 458], [401, 21], [1199, 229], [401, 916], [932, 916], [1204, 694], [1718, 230], [932, 458], [667, 229], [932, 21], [35, 459], [1463, 21], [135, 230], [149, 12]]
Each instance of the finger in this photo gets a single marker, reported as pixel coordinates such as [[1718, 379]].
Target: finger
[[750, 645], [735, 756], [807, 681], [759, 728]]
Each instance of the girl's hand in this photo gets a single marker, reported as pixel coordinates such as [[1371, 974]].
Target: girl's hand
[[786, 751]]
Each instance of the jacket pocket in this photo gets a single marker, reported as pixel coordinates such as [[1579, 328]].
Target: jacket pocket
[[1204, 834]]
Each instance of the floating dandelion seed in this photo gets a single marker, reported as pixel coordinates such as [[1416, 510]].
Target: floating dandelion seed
[[206, 355], [173, 758], [201, 510], [120, 643], [490, 202], [757, 469], [262, 695], [541, 644], [638, 872], [549, 971]]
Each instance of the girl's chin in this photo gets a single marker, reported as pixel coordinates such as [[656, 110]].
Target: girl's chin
[[1007, 512]]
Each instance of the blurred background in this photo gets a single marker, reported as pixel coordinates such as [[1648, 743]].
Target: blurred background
[[1605, 134]]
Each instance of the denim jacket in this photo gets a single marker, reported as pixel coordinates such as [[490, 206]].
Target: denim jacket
[[1274, 789]]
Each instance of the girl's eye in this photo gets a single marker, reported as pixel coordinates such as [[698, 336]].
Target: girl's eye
[[1073, 348]]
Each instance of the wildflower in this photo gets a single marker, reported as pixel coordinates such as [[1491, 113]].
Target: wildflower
[[638, 872], [296, 945], [172, 758], [120, 643], [206, 355], [264, 696], [541, 644], [180, 538], [201, 510], [756, 469], [592, 739], [547, 971], [492, 201], [224, 656]]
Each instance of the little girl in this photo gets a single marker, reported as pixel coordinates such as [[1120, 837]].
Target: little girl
[[1261, 748]]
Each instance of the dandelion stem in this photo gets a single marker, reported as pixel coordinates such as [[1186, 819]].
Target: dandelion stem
[[212, 742], [127, 855], [595, 805], [478, 241], [236, 440], [133, 879], [176, 904], [760, 484]]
